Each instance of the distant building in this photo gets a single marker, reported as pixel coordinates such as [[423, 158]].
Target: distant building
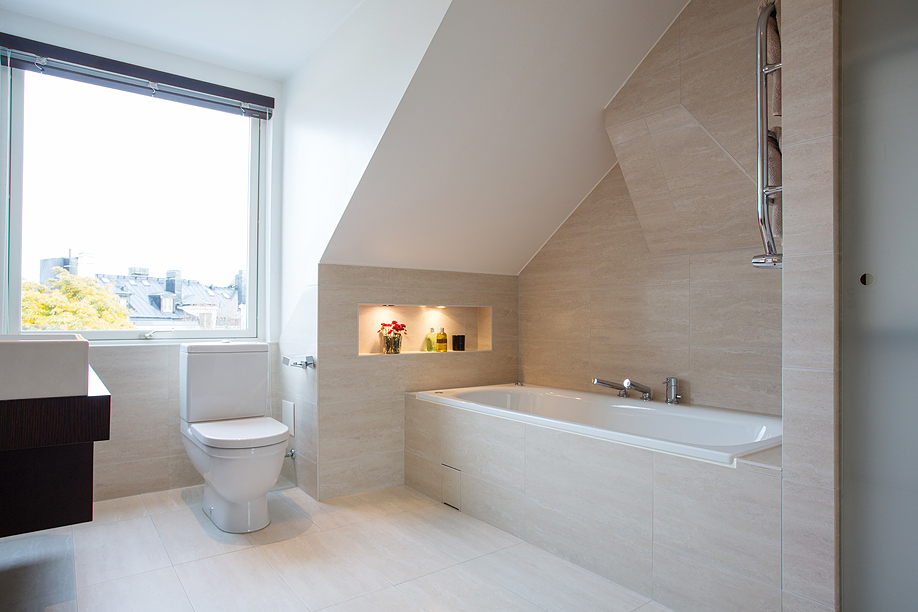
[[170, 302]]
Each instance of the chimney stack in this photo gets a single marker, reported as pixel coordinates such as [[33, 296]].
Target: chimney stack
[[174, 284]]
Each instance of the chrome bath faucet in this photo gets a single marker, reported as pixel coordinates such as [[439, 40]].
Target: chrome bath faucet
[[622, 391], [644, 390]]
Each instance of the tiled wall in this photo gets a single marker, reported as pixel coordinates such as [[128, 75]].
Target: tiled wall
[[360, 415], [692, 535], [650, 276], [810, 44], [145, 451]]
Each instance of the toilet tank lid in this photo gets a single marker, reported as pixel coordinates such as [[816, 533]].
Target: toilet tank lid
[[225, 347], [240, 433]]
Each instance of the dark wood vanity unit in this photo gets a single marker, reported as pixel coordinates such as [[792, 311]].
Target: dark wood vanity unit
[[46, 458]]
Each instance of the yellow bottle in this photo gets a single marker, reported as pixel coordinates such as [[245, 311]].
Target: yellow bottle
[[441, 341]]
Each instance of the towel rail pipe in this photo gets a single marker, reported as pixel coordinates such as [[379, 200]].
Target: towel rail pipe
[[771, 258]]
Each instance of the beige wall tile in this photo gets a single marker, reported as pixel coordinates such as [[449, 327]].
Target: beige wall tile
[[795, 603], [493, 504], [737, 136], [354, 276], [307, 477], [805, 13], [811, 427], [644, 95], [504, 314], [809, 82], [614, 554], [623, 260], [670, 118], [306, 430], [692, 160], [810, 325], [658, 311], [709, 24], [554, 363], [352, 429], [717, 219], [720, 86], [345, 376], [725, 266], [563, 469], [133, 373], [726, 516], [139, 430], [665, 54], [649, 365], [624, 132], [606, 209], [736, 378], [744, 314], [484, 446], [360, 474], [422, 428], [560, 264], [641, 169], [810, 530], [549, 315], [424, 475], [810, 197], [113, 480], [182, 472], [688, 584]]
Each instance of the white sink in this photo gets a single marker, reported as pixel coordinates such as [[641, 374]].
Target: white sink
[[55, 365]]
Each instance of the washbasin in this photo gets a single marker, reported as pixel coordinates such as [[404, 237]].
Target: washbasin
[[53, 365]]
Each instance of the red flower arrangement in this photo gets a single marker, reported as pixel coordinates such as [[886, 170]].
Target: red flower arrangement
[[393, 329]]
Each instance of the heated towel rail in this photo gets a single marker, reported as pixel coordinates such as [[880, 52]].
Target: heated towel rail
[[764, 192]]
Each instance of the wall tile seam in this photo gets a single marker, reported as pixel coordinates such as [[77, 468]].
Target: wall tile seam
[[743, 348], [673, 195], [815, 139], [836, 489], [813, 601], [811, 254], [413, 288], [820, 370], [722, 567], [562, 509], [834, 18], [722, 148], [684, 60]]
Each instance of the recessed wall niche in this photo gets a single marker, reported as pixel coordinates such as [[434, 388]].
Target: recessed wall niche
[[474, 322]]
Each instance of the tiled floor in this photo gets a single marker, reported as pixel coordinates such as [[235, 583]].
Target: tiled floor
[[393, 550]]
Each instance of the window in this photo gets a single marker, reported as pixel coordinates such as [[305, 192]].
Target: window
[[125, 211]]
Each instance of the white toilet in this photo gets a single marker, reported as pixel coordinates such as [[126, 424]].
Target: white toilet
[[223, 388]]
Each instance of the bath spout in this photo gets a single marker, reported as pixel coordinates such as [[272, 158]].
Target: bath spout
[[644, 390], [622, 391]]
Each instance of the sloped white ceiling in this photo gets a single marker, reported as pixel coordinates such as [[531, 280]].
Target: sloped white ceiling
[[499, 136], [269, 38]]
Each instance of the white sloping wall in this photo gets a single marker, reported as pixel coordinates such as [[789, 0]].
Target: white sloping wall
[[499, 136], [337, 107]]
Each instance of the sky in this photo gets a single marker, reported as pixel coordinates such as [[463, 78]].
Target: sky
[[134, 180]]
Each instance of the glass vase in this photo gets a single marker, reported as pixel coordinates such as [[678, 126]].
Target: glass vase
[[392, 344]]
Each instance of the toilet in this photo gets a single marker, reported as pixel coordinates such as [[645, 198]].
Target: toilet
[[223, 399]]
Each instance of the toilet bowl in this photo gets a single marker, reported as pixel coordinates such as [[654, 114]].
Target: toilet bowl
[[238, 450]]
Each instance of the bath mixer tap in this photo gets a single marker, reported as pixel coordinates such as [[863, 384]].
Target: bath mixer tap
[[672, 390], [622, 391], [644, 390]]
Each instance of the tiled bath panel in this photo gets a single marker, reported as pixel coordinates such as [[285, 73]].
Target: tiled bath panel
[[392, 550], [689, 534]]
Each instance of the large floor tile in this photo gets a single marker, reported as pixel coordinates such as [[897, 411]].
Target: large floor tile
[[189, 535], [118, 509], [389, 600], [321, 571], [155, 591], [36, 571], [553, 583], [393, 551], [173, 499], [241, 581], [287, 522], [328, 514], [386, 502], [115, 550], [458, 535], [461, 589]]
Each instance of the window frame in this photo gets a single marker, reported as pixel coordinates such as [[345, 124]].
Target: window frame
[[12, 101]]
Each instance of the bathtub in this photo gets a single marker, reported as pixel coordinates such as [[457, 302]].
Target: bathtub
[[708, 434]]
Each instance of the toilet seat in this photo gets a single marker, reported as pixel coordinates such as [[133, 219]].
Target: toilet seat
[[251, 432]]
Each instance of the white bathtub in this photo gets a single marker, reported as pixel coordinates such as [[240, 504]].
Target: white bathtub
[[709, 434]]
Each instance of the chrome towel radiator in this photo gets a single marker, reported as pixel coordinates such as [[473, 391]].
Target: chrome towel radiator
[[764, 191]]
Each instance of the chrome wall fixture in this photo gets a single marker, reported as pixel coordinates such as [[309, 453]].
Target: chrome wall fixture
[[764, 192], [299, 361]]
